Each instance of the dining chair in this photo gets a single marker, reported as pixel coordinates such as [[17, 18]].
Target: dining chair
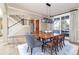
[[33, 42], [53, 45], [61, 39], [55, 42]]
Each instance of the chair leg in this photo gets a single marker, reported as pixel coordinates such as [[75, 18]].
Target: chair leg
[[42, 48], [56, 50], [27, 49], [61, 47], [31, 50], [51, 50], [63, 43]]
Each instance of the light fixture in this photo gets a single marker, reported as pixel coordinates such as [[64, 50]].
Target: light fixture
[[48, 19], [48, 4]]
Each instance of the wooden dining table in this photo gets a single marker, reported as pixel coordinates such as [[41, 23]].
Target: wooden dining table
[[44, 36]]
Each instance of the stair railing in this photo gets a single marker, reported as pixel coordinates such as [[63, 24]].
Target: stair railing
[[22, 21]]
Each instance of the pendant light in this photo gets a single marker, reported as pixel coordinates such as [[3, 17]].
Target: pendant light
[[47, 19]]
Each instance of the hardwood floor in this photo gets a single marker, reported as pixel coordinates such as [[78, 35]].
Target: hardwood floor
[[11, 48]]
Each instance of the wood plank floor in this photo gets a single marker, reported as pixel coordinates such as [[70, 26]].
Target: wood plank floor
[[11, 48]]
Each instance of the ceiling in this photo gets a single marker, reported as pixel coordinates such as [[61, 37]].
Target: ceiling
[[41, 8]]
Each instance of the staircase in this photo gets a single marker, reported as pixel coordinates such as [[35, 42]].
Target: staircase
[[16, 26]]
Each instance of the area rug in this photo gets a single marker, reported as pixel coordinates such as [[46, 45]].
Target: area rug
[[68, 49]]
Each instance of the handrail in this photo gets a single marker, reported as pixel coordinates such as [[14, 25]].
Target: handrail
[[14, 24], [17, 22], [19, 17]]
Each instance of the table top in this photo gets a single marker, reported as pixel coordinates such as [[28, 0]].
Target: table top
[[44, 36]]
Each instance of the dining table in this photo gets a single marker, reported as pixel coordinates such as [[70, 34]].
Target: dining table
[[42, 36]]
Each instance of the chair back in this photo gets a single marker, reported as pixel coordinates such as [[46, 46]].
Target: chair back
[[30, 40], [55, 40], [61, 36], [60, 39]]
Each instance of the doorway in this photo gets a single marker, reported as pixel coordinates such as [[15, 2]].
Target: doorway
[[35, 26]]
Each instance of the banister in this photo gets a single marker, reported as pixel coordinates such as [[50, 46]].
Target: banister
[[14, 24], [22, 20]]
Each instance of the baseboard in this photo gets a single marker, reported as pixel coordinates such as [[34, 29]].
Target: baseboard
[[76, 43]]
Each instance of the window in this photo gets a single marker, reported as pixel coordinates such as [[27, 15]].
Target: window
[[65, 22], [56, 25], [61, 24], [56, 19], [65, 17]]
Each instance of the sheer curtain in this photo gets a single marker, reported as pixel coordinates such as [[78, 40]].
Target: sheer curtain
[[74, 26]]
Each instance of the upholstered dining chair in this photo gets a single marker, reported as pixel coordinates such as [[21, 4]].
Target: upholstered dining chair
[[33, 42]]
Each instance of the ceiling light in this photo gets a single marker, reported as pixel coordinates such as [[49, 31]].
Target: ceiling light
[[47, 19]]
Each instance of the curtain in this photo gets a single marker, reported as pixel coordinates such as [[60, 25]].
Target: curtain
[[74, 26]]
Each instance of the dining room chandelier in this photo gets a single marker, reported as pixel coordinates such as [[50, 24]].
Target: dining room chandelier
[[47, 19]]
